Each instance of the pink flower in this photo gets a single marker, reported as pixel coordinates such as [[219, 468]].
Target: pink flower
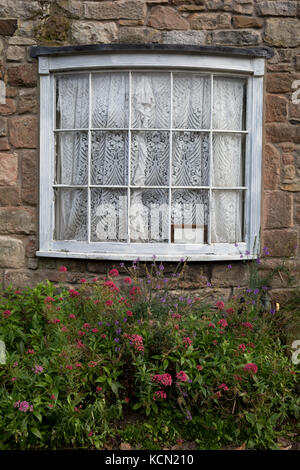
[[103, 336], [63, 269], [159, 394], [187, 341], [251, 367], [113, 272], [242, 347], [86, 326], [247, 324], [220, 305], [18, 292], [83, 281], [37, 369], [92, 364], [30, 351], [69, 367], [79, 344], [98, 389], [81, 333], [53, 397], [129, 313], [72, 315], [50, 405], [90, 434], [78, 365], [127, 400], [128, 280], [238, 378], [95, 330], [211, 325], [95, 279], [14, 379], [182, 376], [199, 368], [164, 379], [49, 300], [109, 303], [223, 323], [64, 329], [230, 310], [6, 313], [73, 293], [15, 364], [224, 387]]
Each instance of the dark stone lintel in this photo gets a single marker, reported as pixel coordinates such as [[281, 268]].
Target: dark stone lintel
[[267, 52]]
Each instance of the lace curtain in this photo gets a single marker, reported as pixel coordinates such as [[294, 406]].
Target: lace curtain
[[228, 114], [151, 105]]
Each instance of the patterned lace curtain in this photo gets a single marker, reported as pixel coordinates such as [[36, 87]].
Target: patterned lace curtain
[[72, 154], [227, 205]]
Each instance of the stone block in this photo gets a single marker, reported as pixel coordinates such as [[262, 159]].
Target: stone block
[[23, 131], [277, 210], [167, 18], [17, 220], [12, 253], [8, 169], [91, 32]]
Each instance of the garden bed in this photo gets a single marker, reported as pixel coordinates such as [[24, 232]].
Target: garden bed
[[119, 361]]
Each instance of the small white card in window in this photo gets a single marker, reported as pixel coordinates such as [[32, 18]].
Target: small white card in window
[[188, 233]]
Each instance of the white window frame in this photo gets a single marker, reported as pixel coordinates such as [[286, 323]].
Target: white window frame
[[247, 66]]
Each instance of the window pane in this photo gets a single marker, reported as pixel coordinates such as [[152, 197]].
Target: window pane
[[72, 101], [229, 103], [71, 157], [110, 93], [190, 161], [70, 214], [150, 158], [149, 216], [189, 216], [109, 157], [228, 159], [191, 101], [151, 100], [108, 215], [227, 216]]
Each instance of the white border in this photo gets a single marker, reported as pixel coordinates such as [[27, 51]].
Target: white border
[[251, 67]]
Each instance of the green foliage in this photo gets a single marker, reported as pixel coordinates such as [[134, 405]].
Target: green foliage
[[79, 360]]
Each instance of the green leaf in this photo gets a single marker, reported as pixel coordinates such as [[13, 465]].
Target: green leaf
[[136, 406], [37, 433]]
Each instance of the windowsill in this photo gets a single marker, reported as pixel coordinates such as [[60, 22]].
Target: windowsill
[[144, 257]]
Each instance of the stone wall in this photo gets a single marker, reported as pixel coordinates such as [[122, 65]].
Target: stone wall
[[244, 23]]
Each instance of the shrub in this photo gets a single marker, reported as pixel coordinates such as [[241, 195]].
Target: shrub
[[79, 359]]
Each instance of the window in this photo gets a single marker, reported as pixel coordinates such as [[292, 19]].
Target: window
[[149, 153]]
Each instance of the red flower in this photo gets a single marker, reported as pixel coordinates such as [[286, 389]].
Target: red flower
[[63, 269], [95, 330], [69, 367], [109, 303], [95, 279], [128, 280], [211, 325], [247, 324], [83, 281], [224, 387], [220, 305], [98, 389], [126, 400], [113, 272], [129, 313], [242, 347], [73, 293], [251, 367], [223, 323], [6, 313], [182, 376], [199, 368], [72, 315], [53, 397], [230, 310], [81, 333], [90, 434], [49, 300], [78, 364]]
